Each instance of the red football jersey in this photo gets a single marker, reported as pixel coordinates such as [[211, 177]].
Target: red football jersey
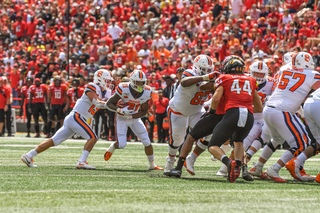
[[38, 93], [26, 91], [120, 58], [57, 93], [221, 108], [72, 96], [238, 90]]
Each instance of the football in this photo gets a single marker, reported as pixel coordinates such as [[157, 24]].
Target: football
[[121, 104]]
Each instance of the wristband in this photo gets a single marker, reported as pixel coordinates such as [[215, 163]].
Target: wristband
[[205, 78], [212, 111]]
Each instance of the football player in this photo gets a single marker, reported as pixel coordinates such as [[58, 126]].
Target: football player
[[239, 93], [37, 101], [25, 95], [292, 86], [203, 128], [74, 93], [75, 122], [57, 99], [135, 95], [185, 108]]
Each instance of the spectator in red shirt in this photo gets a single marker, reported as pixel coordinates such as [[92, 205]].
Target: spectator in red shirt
[[261, 43], [20, 27], [273, 17], [4, 103], [160, 106], [14, 78], [304, 30]]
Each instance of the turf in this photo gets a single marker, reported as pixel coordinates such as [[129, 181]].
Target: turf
[[123, 184]]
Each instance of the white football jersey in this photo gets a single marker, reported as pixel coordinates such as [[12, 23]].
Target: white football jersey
[[264, 91], [188, 100], [316, 94], [291, 87], [84, 106], [125, 91]]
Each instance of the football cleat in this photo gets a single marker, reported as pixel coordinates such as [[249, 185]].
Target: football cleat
[[245, 173], [318, 178], [107, 155], [84, 165], [175, 173], [37, 135], [305, 177], [223, 171], [155, 167], [258, 173], [28, 135], [189, 164], [28, 161], [293, 169], [231, 171], [169, 166], [275, 175]]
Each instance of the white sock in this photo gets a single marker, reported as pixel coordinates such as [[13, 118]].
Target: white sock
[[266, 153], [259, 164], [250, 152], [193, 155], [32, 153], [285, 157], [150, 158], [302, 158], [256, 144], [111, 148], [277, 167], [84, 156], [173, 152], [225, 148]]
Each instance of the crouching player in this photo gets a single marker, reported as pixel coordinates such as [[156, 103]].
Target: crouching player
[[75, 122], [136, 96]]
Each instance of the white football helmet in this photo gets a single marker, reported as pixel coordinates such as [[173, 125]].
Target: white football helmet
[[303, 60], [287, 58], [203, 64], [103, 78], [138, 76], [259, 71]]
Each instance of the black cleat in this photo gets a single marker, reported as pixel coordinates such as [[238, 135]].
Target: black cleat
[[37, 135], [10, 135], [28, 135], [175, 173], [231, 171], [245, 173]]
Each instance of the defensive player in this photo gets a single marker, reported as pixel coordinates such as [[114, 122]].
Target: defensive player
[[57, 101], [25, 95], [74, 93], [239, 92], [185, 108], [311, 112], [37, 101], [75, 122], [292, 86], [136, 96]]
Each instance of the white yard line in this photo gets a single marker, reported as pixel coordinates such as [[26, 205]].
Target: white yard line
[[148, 190]]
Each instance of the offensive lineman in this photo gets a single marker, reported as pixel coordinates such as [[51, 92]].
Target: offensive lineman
[[136, 96], [75, 122], [292, 86], [185, 108]]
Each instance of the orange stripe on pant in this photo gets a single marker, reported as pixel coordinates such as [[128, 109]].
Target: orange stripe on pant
[[295, 131], [85, 126], [170, 128]]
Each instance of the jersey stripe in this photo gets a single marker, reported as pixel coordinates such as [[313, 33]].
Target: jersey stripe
[[317, 77], [91, 87], [119, 90], [186, 73]]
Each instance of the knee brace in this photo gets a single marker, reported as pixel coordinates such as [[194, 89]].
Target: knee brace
[[270, 145], [173, 147], [202, 144]]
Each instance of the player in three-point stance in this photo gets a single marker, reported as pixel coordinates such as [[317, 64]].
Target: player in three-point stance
[[75, 122]]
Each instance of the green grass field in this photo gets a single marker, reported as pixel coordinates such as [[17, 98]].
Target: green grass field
[[123, 184]]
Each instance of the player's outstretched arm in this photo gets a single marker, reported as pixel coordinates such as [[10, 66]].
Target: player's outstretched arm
[[207, 86], [143, 110], [216, 97], [257, 103], [189, 81]]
